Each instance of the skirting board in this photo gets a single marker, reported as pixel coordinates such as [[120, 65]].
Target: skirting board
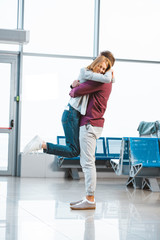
[[45, 166]]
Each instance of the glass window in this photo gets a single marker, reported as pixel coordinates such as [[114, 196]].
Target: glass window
[[5, 94], [45, 93], [4, 137], [8, 14], [60, 26], [135, 97], [130, 29]]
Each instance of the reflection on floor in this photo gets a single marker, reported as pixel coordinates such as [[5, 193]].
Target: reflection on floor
[[38, 209]]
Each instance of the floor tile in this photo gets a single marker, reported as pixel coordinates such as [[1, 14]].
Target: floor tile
[[38, 208]]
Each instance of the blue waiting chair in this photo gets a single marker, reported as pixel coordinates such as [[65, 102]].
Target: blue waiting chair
[[121, 164], [144, 162], [72, 164]]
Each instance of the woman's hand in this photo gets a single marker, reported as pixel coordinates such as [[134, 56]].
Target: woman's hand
[[113, 78], [75, 83], [112, 73]]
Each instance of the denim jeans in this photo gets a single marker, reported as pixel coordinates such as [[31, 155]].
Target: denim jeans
[[70, 122]]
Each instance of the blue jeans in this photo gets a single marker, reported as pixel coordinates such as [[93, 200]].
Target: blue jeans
[[70, 122]]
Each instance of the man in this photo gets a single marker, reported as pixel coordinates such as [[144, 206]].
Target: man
[[91, 126]]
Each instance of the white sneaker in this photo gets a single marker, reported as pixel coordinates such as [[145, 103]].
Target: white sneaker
[[34, 145]]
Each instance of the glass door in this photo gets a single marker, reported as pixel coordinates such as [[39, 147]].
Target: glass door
[[8, 79]]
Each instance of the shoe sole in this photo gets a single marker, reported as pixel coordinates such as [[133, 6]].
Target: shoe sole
[[90, 208]]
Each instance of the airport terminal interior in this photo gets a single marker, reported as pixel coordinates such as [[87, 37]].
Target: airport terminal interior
[[43, 47]]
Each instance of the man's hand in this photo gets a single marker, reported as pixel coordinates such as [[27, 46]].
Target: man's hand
[[75, 83]]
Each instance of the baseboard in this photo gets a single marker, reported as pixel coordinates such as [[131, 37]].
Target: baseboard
[[45, 166]]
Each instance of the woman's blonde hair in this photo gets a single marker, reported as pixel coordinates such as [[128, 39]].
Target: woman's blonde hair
[[99, 60]]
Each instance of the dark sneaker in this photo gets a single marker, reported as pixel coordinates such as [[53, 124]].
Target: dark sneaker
[[84, 205]]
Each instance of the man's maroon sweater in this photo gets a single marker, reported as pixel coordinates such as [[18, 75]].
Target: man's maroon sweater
[[98, 97]]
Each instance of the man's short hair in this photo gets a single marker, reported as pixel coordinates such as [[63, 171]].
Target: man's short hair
[[108, 55]]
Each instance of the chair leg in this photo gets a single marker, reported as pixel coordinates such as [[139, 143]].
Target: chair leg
[[151, 184], [135, 182], [74, 173]]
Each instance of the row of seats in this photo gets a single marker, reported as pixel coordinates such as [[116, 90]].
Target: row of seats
[[106, 149], [138, 158]]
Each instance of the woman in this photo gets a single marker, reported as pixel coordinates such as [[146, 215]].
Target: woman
[[98, 70]]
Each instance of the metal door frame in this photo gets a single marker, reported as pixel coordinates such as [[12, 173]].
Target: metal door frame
[[11, 58]]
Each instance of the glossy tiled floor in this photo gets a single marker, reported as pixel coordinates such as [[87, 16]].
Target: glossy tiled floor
[[38, 209]]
